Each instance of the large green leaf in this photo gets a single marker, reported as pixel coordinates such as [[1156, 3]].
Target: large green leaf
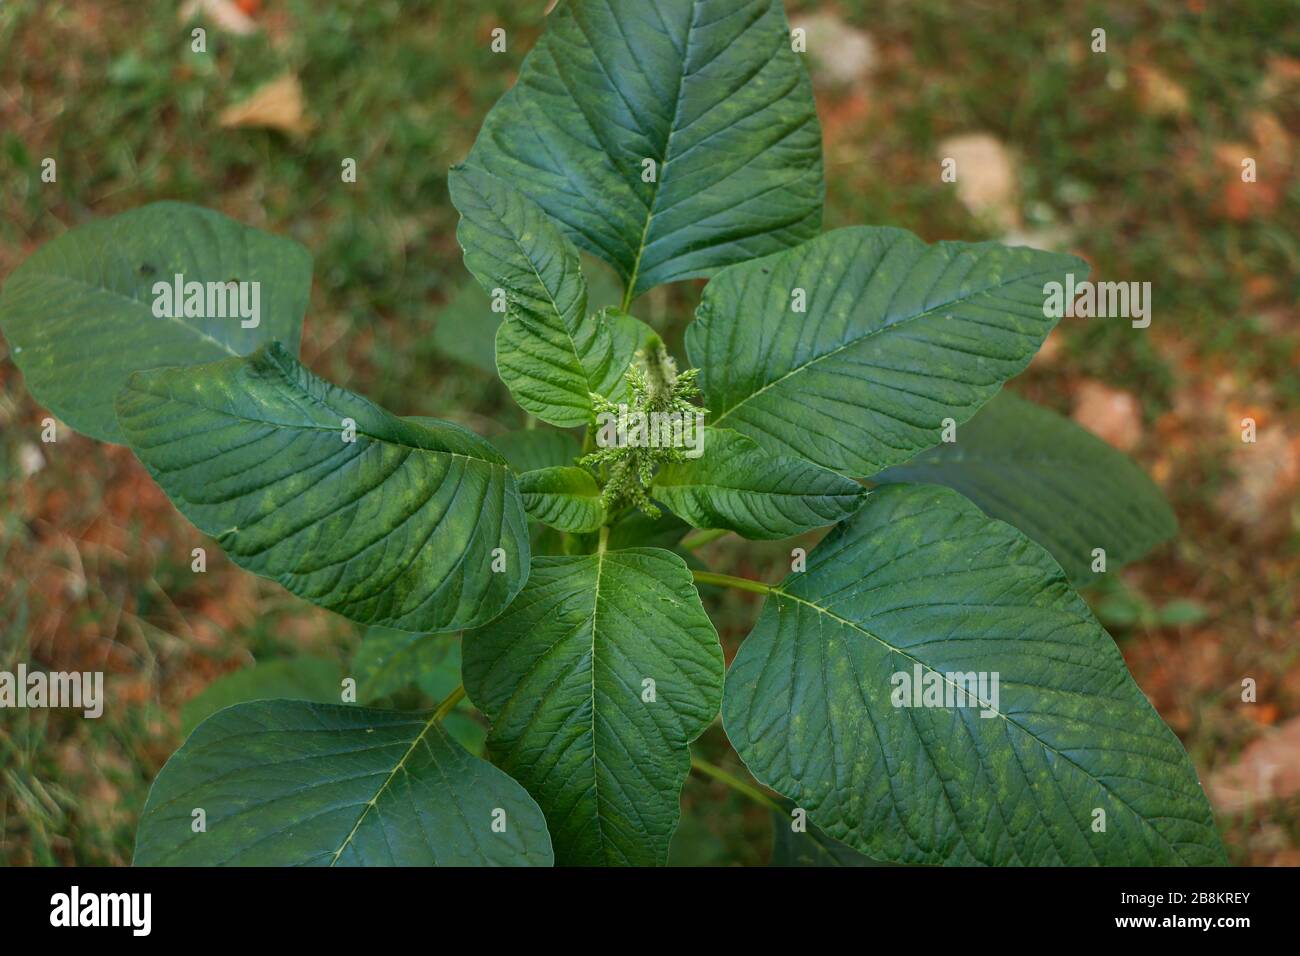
[[564, 497], [710, 90], [919, 580], [896, 337], [563, 676], [293, 783], [1056, 482], [397, 527], [738, 486], [550, 353], [79, 314], [302, 678]]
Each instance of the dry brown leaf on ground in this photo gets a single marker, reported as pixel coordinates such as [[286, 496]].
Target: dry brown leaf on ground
[[1111, 414], [1272, 138], [1267, 476], [1241, 199], [1050, 352], [841, 55], [1283, 75], [1268, 769], [276, 105], [1053, 238], [986, 177], [1158, 95], [30, 459], [225, 15]]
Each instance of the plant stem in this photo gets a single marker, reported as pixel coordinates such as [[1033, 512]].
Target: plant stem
[[730, 581], [700, 538], [604, 539], [449, 704], [735, 783]]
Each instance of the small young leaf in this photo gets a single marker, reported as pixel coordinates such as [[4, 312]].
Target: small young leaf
[[897, 336], [1059, 484], [669, 138], [738, 486], [563, 497], [1058, 759], [596, 679], [550, 353], [293, 783], [413, 523], [80, 317]]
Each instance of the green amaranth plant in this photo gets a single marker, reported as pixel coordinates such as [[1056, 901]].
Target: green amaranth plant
[[673, 140]]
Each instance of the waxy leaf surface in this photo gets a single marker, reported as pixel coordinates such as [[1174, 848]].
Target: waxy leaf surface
[[79, 314], [896, 337], [384, 520], [294, 783], [596, 680], [920, 581]]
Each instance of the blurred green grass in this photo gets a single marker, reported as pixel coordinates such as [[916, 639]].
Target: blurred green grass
[[94, 564]]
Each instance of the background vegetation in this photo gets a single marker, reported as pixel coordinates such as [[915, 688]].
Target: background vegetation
[[1130, 158]]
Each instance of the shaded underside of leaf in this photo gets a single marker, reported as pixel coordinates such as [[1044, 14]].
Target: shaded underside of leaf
[[396, 527], [389, 660], [709, 90], [1058, 483], [293, 783], [302, 678], [535, 448], [465, 328], [808, 846], [920, 582], [79, 314], [897, 337], [563, 676]]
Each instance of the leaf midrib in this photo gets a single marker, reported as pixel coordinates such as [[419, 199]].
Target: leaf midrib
[[985, 705], [319, 428], [138, 303], [550, 296], [630, 291], [373, 801], [595, 760], [889, 326]]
